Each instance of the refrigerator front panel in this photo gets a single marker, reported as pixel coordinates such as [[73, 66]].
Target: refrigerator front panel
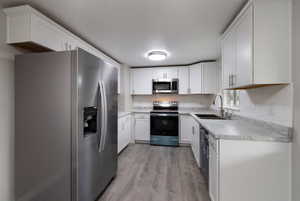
[[43, 127], [97, 113]]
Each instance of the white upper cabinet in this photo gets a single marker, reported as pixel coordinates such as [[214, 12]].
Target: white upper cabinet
[[229, 59], [244, 50], [200, 78], [256, 50], [29, 28], [196, 79], [210, 78], [184, 79], [165, 73], [141, 81]]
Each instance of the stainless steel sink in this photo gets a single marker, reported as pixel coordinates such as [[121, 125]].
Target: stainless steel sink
[[209, 116]]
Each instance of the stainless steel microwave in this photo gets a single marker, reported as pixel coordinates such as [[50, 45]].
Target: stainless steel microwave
[[165, 86]]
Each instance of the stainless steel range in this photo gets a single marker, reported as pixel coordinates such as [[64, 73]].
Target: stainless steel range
[[164, 120]]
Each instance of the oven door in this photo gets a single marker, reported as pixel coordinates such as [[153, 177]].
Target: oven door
[[164, 124]]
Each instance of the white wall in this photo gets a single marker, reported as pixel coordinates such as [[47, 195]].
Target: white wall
[[6, 114], [271, 104], [184, 101], [296, 80]]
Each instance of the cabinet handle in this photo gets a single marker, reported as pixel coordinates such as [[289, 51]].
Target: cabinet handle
[[66, 46], [234, 79], [229, 81]]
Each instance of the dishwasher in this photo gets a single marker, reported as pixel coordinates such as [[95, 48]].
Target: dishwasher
[[204, 153]]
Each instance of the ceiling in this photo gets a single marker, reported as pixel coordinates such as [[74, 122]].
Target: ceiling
[[127, 29]]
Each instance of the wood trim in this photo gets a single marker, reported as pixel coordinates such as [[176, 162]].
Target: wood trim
[[34, 47], [254, 86], [173, 65]]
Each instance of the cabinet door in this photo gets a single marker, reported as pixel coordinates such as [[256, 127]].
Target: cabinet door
[[186, 124], [45, 34], [164, 73], [120, 134], [172, 73], [213, 170], [159, 73], [193, 143], [142, 81], [196, 79], [142, 129], [197, 142], [127, 130], [184, 80], [119, 80], [229, 59], [210, 78], [244, 50]]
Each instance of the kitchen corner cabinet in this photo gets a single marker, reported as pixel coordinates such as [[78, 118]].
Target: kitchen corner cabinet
[[196, 78], [142, 127], [210, 72], [141, 81], [255, 50], [199, 78], [249, 170], [184, 80], [124, 132]]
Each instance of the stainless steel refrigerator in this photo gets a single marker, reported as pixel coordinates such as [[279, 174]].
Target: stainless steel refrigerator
[[65, 126]]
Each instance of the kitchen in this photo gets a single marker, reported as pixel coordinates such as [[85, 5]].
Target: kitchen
[[205, 114]]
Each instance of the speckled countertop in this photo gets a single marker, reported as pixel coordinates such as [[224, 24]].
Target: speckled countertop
[[245, 129]]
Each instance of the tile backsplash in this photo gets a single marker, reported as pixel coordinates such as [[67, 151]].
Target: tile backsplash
[[192, 101]]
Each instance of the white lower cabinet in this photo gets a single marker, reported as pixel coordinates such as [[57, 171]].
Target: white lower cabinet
[[142, 127], [186, 124], [124, 132], [195, 144], [213, 169], [249, 170]]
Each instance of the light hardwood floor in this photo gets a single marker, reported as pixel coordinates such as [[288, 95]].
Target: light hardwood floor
[[152, 173]]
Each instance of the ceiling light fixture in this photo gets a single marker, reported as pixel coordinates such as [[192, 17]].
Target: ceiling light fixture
[[157, 55]]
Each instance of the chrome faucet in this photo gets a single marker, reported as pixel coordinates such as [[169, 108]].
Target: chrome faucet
[[222, 111]]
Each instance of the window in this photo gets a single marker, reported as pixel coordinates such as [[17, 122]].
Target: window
[[231, 99]]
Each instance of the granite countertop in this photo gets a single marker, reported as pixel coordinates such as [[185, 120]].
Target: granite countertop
[[245, 129]]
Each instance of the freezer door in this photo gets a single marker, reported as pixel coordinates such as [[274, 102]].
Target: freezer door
[[97, 125]]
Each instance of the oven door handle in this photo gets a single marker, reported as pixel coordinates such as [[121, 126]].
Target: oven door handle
[[164, 115]]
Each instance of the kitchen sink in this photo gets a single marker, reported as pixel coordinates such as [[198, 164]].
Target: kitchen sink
[[209, 116]]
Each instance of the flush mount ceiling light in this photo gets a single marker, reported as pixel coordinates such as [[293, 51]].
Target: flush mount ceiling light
[[157, 55]]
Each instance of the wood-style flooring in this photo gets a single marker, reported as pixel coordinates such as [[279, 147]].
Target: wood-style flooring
[[153, 173]]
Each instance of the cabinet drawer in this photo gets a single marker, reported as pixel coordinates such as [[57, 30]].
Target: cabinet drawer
[[142, 116]]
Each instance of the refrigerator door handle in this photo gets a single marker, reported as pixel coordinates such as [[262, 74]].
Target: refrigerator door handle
[[105, 117], [102, 112]]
